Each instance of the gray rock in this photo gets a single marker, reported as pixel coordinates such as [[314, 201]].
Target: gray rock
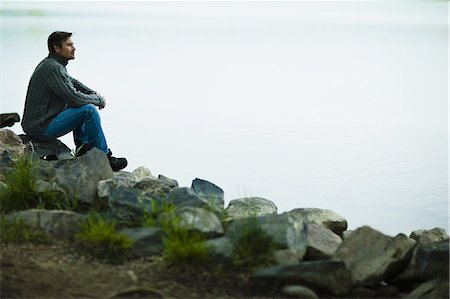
[[209, 192], [286, 257], [120, 179], [437, 288], [372, 256], [142, 173], [296, 291], [429, 260], [319, 276], [428, 236], [11, 143], [346, 234], [81, 176], [322, 242], [198, 219], [58, 223], [187, 197], [44, 186], [286, 232], [8, 119], [168, 181], [221, 248], [327, 218], [138, 292], [154, 188], [147, 241], [130, 204], [250, 207]]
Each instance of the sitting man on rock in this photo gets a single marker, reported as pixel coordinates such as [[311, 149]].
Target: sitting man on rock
[[57, 104]]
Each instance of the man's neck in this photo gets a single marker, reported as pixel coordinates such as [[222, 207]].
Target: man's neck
[[58, 58]]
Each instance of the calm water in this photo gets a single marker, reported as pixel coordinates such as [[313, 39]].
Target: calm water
[[336, 105]]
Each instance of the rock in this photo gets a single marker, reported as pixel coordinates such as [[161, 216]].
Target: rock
[[250, 207], [429, 260], [285, 231], [296, 291], [362, 292], [437, 288], [81, 176], [198, 219], [168, 181], [319, 276], [44, 186], [134, 292], [322, 242], [372, 256], [327, 218], [58, 223], [428, 236], [346, 234], [8, 119], [146, 240], [120, 179], [142, 173], [130, 204], [154, 188], [209, 192], [11, 143], [182, 197], [286, 257], [221, 248]]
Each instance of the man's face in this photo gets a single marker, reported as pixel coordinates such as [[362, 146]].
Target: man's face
[[67, 49]]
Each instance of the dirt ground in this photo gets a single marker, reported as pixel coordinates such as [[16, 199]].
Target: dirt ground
[[57, 271]]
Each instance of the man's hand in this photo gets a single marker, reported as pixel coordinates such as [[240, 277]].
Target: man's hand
[[102, 101]]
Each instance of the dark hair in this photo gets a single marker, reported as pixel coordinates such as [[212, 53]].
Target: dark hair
[[56, 39]]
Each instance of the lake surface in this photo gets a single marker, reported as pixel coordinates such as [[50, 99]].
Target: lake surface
[[334, 105]]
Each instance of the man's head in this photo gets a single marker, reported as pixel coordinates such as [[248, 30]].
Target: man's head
[[59, 42]]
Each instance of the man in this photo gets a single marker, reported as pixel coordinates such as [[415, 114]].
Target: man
[[57, 104]]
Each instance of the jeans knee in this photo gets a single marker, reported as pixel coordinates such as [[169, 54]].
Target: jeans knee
[[90, 109]]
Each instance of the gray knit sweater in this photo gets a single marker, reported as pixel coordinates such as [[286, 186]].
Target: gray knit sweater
[[52, 90]]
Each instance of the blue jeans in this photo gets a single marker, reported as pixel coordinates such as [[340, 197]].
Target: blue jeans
[[84, 121]]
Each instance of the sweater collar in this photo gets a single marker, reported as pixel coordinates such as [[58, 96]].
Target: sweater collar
[[58, 58]]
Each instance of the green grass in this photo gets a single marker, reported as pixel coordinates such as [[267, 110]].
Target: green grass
[[101, 240], [150, 218], [21, 192], [16, 231], [254, 248]]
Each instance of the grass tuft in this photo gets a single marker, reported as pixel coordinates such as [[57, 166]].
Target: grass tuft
[[101, 240], [20, 191], [254, 248], [16, 231]]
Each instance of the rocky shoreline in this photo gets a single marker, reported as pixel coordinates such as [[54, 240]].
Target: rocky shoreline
[[315, 255]]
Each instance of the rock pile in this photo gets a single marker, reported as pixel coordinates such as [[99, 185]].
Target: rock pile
[[315, 255]]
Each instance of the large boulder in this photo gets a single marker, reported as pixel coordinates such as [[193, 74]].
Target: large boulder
[[154, 187], [11, 143], [146, 240], [221, 249], [11, 147], [81, 176], [327, 218], [187, 197], [323, 277], [130, 204], [436, 288], [196, 219], [120, 179], [210, 192], [285, 231], [58, 223], [429, 260], [428, 236], [322, 242], [372, 256], [250, 207]]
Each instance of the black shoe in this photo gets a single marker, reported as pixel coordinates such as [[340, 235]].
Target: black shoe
[[116, 163]]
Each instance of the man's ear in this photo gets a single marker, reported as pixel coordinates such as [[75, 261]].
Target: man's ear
[[57, 49]]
